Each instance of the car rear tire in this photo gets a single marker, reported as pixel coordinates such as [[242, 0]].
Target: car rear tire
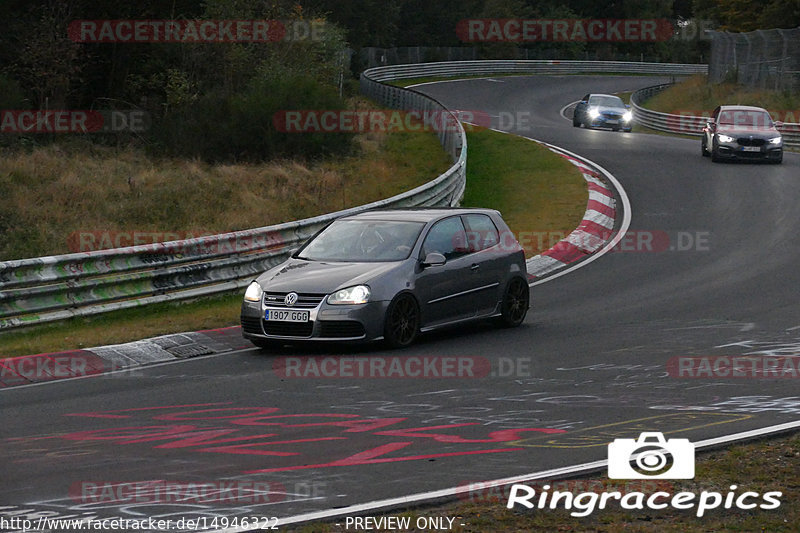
[[516, 301], [401, 325]]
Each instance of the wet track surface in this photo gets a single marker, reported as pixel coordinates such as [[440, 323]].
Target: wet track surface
[[589, 364]]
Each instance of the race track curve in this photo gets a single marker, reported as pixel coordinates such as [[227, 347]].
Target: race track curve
[[588, 365]]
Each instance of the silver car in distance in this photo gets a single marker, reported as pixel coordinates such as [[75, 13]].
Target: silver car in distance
[[391, 274]]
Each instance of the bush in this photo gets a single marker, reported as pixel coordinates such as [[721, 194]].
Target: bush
[[240, 127]]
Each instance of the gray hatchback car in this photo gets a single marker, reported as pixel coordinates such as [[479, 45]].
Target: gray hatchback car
[[391, 274]]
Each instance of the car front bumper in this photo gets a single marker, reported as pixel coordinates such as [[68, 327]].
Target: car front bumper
[[341, 323], [608, 122], [734, 150]]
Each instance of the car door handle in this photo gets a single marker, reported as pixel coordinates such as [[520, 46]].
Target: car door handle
[[475, 266]]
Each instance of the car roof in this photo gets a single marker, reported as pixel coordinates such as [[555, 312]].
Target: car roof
[[418, 214], [741, 108]]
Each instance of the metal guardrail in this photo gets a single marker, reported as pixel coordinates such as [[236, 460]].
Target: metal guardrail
[[688, 124], [532, 66], [52, 288]]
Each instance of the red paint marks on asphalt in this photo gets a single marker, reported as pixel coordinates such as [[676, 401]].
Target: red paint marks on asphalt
[[293, 438]]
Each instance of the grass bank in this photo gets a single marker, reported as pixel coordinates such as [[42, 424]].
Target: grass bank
[[540, 194], [696, 96], [76, 196]]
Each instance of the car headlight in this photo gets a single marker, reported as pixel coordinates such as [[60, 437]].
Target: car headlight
[[351, 295], [628, 116], [593, 112], [253, 292], [776, 140], [725, 138]]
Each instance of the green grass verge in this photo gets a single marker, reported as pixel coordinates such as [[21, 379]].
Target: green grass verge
[[542, 196], [123, 326], [535, 190], [760, 467], [697, 95]]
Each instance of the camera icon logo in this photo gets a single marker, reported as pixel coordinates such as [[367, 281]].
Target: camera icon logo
[[651, 457]]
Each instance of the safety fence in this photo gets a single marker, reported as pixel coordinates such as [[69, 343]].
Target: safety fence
[[52, 288], [768, 59], [688, 124]]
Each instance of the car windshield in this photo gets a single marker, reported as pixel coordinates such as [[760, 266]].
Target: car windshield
[[363, 241], [606, 101], [746, 118]]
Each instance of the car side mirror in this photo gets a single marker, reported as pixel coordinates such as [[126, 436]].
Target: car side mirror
[[434, 259], [710, 125]]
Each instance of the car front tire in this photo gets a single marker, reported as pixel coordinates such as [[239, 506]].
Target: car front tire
[[516, 301], [704, 147], [715, 154], [401, 325]]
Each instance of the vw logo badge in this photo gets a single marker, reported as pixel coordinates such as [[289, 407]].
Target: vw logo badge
[[290, 299]]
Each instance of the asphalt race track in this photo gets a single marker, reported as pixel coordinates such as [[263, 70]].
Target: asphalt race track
[[711, 270]]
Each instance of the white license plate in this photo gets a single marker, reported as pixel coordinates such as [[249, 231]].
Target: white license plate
[[751, 148], [612, 121], [282, 315]]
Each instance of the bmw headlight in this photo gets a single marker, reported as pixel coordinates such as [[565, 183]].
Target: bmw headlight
[[628, 116], [593, 112], [776, 140], [253, 292], [351, 295], [725, 138]]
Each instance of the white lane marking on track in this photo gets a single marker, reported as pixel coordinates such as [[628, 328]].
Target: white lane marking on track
[[444, 81], [564, 109]]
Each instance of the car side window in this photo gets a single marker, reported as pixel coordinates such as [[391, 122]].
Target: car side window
[[585, 98], [481, 232], [448, 238]]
